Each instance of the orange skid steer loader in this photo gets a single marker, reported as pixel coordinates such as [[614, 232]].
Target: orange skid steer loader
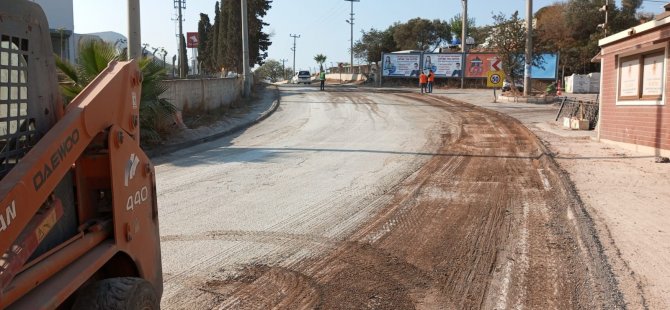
[[78, 213]]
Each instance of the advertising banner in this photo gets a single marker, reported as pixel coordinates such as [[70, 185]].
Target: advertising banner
[[479, 65], [443, 65], [401, 65], [547, 69]]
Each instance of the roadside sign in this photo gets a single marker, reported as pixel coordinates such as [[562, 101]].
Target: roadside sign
[[192, 39], [495, 79]]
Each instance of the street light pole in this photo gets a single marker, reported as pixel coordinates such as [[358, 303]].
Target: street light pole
[[283, 68], [351, 22], [134, 33], [294, 36], [181, 4], [529, 48], [245, 50], [464, 24]]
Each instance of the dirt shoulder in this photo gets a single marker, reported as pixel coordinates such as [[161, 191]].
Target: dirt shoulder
[[626, 194]]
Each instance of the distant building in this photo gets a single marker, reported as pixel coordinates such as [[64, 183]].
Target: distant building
[[65, 42], [118, 40], [60, 15], [635, 89]]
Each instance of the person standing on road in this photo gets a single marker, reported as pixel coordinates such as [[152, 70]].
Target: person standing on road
[[322, 78], [431, 80], [423, 79]]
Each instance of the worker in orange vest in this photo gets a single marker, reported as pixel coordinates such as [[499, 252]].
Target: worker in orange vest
[[423, 80], [431, 80]]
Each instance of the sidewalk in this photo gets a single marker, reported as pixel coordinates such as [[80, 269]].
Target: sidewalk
[[258, 109], [627, 194]]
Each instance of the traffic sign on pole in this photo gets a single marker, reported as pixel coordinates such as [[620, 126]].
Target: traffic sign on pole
[[495, 79]]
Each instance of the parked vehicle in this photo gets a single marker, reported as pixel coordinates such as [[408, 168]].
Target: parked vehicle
[[78, 210], [507, 86], [303, 77]]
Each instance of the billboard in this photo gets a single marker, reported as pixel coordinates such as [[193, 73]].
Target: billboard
[[401, 65], [478, 65], [443, 65], [192, 39], [548, 68]]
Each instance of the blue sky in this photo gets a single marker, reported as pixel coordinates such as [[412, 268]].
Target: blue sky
[[320, 23]]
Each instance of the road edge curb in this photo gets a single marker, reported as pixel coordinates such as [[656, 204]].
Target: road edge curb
[[167, 149]]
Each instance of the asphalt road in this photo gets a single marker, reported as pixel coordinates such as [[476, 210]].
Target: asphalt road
[[354, 198]]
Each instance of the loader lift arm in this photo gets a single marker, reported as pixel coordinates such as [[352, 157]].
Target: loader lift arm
[[108, 106]]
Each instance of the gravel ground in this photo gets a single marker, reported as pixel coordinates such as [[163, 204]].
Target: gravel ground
[[621, 191]]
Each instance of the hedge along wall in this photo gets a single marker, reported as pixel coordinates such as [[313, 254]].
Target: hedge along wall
[[203, 94]]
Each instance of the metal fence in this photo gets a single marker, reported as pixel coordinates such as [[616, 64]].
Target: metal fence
[[586, 109]]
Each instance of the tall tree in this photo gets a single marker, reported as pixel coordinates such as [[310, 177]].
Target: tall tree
[[421, 34], [373, 43], [183, 58], [442, 33], [583, 17], [213, 40], [456, 24], [259, 41], [204, 30], [271, 70], [572, 28], [228, 38], [480, 34], [320, 59], [231, 51], [509, 42]]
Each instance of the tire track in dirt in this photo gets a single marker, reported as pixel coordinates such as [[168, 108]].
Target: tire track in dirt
[[483, 224]]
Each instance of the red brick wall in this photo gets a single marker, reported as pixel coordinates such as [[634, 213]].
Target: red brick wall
[[647, 125]]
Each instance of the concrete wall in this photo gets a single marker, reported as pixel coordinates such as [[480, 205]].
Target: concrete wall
[[345, 77], [203, 94]]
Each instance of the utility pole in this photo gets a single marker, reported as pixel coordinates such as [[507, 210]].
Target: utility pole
[[351, 22], [283, 68], [174, 59], [134, 33], [529, 48], [605, 8], [464, 24], [245, 50], [180, 4], [294, 36]]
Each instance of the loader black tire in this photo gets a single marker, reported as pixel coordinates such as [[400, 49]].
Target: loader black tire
[[117, 294]]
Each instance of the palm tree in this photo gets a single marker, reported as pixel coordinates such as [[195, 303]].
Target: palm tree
[[93, 58], [320, 59]]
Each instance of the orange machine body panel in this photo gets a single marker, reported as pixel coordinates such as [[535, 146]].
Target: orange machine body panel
[[93, 148]]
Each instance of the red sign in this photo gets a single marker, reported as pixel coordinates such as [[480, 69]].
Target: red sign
[[478, 65], [495, 64], [192, 39]]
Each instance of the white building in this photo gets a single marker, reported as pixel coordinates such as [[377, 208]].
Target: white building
[[60, 15]]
